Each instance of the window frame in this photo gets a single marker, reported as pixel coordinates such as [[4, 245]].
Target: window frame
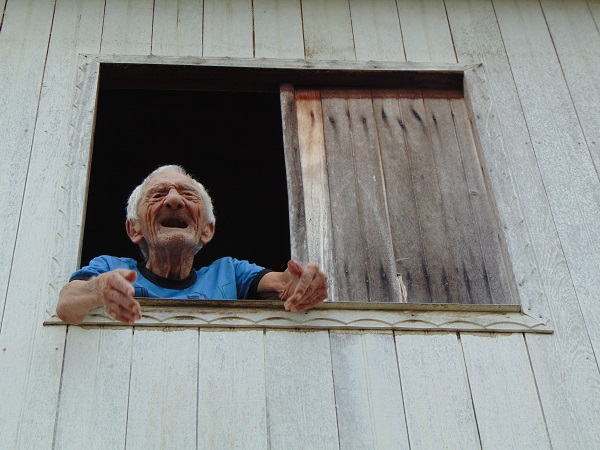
[[333, 315]]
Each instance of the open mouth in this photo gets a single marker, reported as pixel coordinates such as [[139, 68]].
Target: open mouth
[[174, 223]]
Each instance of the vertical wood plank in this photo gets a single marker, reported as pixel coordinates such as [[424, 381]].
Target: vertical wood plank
[[164, 389], [564, 365], [127, 27], [504, 394], [468, 272], [376, 30], [300, 397], [23, 47], [402, 207], [327, 30], [436, 392], [278, 29], [177, 28], [425, 31], [314, 180], [350, 273], [228, 28], [231, 406], [30, 365], [368, 394], [293, 168], [95, 389], [432, 221], [498, 272], [382, 285], [577, 42]]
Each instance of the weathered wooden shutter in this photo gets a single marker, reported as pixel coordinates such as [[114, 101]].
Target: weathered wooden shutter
[[388, 193]]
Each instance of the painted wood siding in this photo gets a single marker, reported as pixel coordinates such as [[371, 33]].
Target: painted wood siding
[[314, 389]]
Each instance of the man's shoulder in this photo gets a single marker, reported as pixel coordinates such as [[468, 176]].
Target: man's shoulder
[[114, 262]]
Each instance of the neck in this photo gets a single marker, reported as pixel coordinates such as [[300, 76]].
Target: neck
[[175, 266]]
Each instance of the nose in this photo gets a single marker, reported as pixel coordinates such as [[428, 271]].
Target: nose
[[173, 200]]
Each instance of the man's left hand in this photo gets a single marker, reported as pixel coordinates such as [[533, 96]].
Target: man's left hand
[[308, 286]]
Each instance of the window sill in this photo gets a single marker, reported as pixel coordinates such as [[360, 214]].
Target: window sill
[[328, 315]]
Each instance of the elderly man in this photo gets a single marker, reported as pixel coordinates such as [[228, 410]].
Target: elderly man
[[170, 216]]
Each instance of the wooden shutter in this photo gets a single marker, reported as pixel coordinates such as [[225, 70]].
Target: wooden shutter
[[389, 196]]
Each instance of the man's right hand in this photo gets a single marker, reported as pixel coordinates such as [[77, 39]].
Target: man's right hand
[[112, 290], [115, 292]]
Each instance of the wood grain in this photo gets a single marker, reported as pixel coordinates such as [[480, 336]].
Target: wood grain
[[293, 169], [376, 30], [31, 363], [278, 29], [314, 181], [425, 31], [231, 390], [177, 28], [327, 30], [127, 28], [564, 366], [436, 392], [95, 389], [227, 28], [504, 394], [368, 395], [163, 396], [350, 276], [300, 397]]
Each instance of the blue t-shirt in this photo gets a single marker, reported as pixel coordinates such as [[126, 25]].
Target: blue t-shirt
[[227, 278]]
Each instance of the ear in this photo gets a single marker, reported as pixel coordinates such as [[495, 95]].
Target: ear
[[207, 234], [134, 231]]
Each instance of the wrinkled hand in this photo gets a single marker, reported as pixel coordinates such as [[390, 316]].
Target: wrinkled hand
[[308, 285], [115, 291]]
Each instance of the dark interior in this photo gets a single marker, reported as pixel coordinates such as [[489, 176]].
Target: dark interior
[[230, 141]]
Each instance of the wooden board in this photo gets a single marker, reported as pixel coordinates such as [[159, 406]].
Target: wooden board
[[92, 411], [504, 394], [425, 31], [177, 28], [327, 30], [315, 186], [127, 28], [228, 28], [300, 398], [376, 30], [436, 392], [231, 392], [368, 395], [163, 394], [293, 170], [23, 46], [564, 366], [559, 115], [31, 364], [278, 29], [468, 272]]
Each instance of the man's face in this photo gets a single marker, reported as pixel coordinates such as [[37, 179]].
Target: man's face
[[171, 215]]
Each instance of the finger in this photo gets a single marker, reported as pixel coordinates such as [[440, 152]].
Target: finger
[[121, 314], [317, 297], [117, 298], [319, 280], [305, 280]]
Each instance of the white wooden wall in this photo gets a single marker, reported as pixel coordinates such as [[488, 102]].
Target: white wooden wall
[[178, 388]]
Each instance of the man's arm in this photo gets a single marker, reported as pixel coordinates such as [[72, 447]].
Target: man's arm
[[301, 287], [113, 290]]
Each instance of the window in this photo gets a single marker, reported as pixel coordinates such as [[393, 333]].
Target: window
[[386, 186], [397, 207], [230, 141]]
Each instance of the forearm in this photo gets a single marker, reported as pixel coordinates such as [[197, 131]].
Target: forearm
[[274, 286], [76, 299]]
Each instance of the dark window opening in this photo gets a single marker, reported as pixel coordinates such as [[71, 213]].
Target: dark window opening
[[231, 142]]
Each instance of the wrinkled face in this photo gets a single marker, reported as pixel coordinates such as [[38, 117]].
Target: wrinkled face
[[171, 215]]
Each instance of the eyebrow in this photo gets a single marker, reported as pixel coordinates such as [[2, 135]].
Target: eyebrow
[[178, 186]]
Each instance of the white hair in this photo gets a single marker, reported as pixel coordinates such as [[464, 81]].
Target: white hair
[[134, 201]]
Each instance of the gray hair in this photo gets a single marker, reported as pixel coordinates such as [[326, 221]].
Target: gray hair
[[134, 201]]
